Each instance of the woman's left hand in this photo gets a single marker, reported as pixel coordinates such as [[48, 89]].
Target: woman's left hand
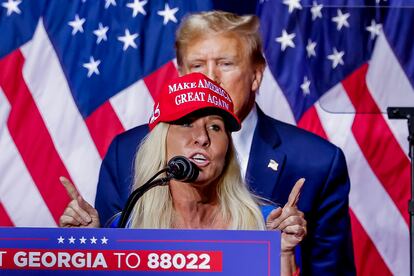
[[289, 220]]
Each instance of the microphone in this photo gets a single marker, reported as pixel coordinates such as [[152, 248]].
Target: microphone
[[179, 168], [182, 169]]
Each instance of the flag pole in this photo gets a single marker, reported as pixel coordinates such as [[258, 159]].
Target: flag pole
[[408, 114]]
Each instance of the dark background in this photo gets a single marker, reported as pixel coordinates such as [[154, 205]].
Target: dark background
[[236, 6]]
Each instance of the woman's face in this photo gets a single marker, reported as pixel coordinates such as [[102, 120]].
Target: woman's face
[[204, 141]]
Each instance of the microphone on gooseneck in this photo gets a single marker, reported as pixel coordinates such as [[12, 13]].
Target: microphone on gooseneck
[[179, 168], [182, 169]]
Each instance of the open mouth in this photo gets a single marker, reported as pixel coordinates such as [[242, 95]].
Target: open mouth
[[199, 159]]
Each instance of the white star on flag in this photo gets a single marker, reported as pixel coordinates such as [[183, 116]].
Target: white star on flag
[[316, 10], [101, 33], [128, 40], [77, 24], [12, 6], [336, 58], [137, 7], [341, 19], [61, 239], [82, 240], [374, 29], [305, 86], [286, 40], [168, 14], [293, 4], [109, 3], [104, 240], [72, 239], [310, 48], [93, 240], [92, 66]]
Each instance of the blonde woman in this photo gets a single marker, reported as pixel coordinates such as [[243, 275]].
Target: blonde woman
[[194, 117]]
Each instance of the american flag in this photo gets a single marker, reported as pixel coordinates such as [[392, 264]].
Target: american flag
[[333, 70], [74, 73]]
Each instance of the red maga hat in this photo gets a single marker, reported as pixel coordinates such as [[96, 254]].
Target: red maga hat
[[190, 93]]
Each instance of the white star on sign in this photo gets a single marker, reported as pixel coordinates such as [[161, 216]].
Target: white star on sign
[[374, 29], [93, 240], [137, 7], [92, 66], [305, 86], [12, 6], [109, 3], [336, 58], [316, 10], [128, 40], [61, 239], [104, 240], [72, 240], [293, 4], [101, 33], [77, 24], [168, 14], [286, 40], [341, 20], [310, 48], [82, 240]]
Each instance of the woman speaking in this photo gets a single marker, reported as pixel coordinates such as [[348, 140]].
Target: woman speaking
[[193, 117]]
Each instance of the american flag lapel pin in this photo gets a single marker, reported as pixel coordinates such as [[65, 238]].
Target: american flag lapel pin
[[273, 165]]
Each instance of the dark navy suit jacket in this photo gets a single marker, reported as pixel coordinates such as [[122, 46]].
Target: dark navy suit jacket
[[327, 249]]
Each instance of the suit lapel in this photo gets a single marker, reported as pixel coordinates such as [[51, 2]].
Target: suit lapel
[[266, 161]]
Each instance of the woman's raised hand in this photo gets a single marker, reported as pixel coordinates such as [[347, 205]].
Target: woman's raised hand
[[289, 220], [78, 213]]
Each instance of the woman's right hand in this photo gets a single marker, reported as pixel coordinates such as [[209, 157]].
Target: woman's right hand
[[78, 213]]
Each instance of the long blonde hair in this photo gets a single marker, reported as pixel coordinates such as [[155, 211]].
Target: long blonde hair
[[155, 208]]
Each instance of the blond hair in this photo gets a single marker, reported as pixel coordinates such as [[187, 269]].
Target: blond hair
[[155, 208], [246, 27]]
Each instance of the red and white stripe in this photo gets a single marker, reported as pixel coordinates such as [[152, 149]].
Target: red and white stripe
[[389, 87], [64, 123], [371, 205], [131, 105], [17, 186]]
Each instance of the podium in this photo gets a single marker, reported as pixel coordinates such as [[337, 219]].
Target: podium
[[80, 251]]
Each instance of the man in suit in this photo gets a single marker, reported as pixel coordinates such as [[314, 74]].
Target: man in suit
[[273, 155]]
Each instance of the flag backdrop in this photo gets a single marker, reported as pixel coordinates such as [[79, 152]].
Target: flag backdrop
[[74, 73]]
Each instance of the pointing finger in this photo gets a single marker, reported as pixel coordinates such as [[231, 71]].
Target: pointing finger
[[70, 188], [295, 193]]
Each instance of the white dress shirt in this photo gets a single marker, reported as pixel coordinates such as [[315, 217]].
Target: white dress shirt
[[243, 139]]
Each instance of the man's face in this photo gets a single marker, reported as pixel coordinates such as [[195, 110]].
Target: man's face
[[223, 58]]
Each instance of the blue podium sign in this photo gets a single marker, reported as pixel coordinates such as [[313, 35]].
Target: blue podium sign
[[69, 251]]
